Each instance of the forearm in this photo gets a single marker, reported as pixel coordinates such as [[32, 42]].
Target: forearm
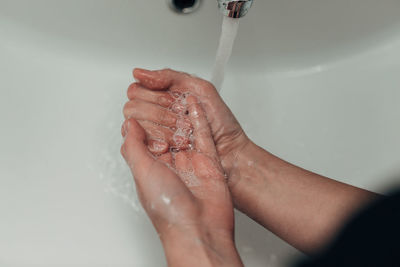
[[199, 247], [303, 208]]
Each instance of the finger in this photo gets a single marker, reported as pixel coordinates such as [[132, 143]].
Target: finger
[[152, 177], [137, 91], [203, 139], [134, 148], [157, 147], [142, 110], [178, 82], [168, 99], [157, 132], [178, 108], [177, 138], [158, 80]]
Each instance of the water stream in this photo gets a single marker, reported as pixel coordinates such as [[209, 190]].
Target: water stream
[[227, 39], [116, 174]]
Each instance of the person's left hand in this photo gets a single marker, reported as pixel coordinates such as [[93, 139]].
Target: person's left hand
[[184, 192]]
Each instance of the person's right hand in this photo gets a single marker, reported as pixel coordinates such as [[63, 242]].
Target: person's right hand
[[152, 103]]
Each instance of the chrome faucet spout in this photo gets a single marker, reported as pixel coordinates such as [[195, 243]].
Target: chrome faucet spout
[[234, 8]]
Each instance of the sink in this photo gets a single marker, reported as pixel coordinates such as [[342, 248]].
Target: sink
[[313, 82]]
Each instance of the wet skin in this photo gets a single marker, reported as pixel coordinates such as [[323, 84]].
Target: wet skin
[[183, 189], [303, 208]]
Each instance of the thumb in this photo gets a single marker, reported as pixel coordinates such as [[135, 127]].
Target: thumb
[[134, 148]]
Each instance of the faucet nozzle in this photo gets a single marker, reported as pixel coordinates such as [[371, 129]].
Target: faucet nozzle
[[234, 8]]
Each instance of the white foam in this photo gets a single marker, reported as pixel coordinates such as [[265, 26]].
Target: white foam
[[227, 39], [165, 199]]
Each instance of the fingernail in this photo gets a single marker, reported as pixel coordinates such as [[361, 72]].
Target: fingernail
[[169, 119], [178, 108], [176, 94], [165, 101], [158, 147]]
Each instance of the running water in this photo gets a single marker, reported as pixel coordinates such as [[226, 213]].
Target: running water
[[228, 35], [115, 173]]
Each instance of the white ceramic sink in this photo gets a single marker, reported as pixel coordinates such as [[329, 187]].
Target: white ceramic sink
[[315, 82]]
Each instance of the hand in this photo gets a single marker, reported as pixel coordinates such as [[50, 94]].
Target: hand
[[153, 104], [184, 192], [280, 196]]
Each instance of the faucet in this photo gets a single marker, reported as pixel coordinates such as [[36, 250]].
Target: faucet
[[234, 8]]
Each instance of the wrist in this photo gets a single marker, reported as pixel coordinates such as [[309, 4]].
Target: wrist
[[238, 160], [231, 153], [249, 176], [196, 246]]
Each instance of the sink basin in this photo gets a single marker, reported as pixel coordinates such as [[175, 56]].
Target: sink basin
[[313, 82]]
